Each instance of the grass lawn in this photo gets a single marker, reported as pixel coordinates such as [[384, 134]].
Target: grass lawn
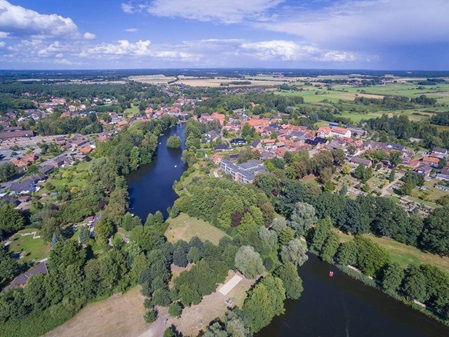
[[33, 249], [131, 111], [184, 228], [310, 180], [403, 254]]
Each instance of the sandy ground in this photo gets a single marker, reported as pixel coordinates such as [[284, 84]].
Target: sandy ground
[[118, 316]]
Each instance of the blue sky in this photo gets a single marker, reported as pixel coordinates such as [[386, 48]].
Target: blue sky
[[332, 34]]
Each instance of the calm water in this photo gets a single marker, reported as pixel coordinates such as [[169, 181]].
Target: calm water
[[151, 186], [328, 307], [342, 306]]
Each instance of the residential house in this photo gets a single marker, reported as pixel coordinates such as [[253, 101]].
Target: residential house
[[443, 175], [337, 131], [21, 280], [222, 148], [432, 161], [16, 134], [439, 152], [244, 172], [363, 161]]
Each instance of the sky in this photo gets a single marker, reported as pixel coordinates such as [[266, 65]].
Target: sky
[[300, 34]]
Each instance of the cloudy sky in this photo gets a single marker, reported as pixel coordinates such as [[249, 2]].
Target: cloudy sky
[[331, 34]]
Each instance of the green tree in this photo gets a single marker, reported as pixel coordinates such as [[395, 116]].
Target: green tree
[[104, 229], [286, 235], [295, 253], [395, 158], [321, 233], [11, 220], [249, 262], [392, 277], [288, 273], [435, 237], [392, 175], [330, 247], [174, 142], [414, 284], [84, 234], [302, 217], [134, 160], [175, 309], [264, 302]]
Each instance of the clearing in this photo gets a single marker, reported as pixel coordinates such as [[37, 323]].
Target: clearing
[[185, 227], [119, 315], [403, 254]]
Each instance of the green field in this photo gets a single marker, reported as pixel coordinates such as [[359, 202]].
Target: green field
[[31, 249], [403, 254], [184, 227]]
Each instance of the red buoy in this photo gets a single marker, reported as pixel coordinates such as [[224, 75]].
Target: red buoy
[[331, 273]]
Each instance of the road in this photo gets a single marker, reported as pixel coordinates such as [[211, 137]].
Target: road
[[384, 190]]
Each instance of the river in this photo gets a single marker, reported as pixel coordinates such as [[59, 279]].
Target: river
[[150, 187], [328, 307], [342, 306]]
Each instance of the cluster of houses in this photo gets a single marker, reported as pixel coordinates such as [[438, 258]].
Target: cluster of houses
[[278, 138]]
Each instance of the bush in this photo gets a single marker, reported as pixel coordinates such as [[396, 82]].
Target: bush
[[151, 316], [175, 309]]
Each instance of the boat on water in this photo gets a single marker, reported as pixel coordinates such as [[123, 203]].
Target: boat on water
[[331, 273], [176, 166]]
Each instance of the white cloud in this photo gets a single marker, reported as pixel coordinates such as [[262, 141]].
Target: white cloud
[[366, 23], [122, 47], [229, 11], [63, 62], [22, 22], [292, 51], [132, 30], [2, 44], [128, 8], [89, 36]]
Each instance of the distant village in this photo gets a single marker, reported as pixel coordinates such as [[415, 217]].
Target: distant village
[[20, 147]]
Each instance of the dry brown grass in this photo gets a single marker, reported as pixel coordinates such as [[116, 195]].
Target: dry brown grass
[[119, 315]]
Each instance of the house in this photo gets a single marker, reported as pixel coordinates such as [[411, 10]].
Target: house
[[16, 134], [337, 131], [432, 161], [23, 187], [216, 159], [423, 170], [324, 131], [222, 148], [21, 280], [244, 172], [238, 142], [85, 150], [443, 175], [439, 152], [363, 161]]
